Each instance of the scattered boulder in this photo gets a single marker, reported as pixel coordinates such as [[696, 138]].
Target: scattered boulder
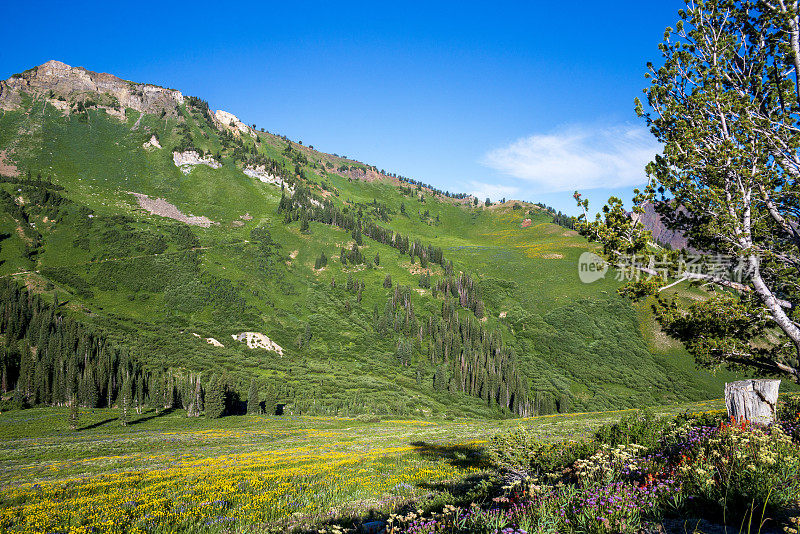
[[257, 340], [7, 167]]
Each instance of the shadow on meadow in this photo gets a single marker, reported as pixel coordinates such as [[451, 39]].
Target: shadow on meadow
[[463, 456], [153, 415], [97, 424]]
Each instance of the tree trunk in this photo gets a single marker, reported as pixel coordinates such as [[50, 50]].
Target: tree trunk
[[752, 400]]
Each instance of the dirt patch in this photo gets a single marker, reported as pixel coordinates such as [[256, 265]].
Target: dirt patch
[[237, 224], [552, 256], [246, 217], [159, 206], [526, 223], [7, 168]]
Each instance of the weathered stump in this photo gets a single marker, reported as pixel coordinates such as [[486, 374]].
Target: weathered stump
[[752, 400]]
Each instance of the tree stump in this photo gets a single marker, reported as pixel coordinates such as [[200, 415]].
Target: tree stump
[[752, 400]]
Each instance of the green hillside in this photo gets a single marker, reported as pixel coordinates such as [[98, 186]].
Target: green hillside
[[441, 306]]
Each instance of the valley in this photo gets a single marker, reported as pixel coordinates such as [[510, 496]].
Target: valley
[[419, 294]]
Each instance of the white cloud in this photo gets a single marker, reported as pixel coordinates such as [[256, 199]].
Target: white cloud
[[577, 157], [494, 191]]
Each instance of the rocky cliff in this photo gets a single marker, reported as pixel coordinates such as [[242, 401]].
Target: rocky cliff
[[59, 82]]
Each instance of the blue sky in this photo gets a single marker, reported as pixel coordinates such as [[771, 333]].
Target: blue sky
[[527, 100]]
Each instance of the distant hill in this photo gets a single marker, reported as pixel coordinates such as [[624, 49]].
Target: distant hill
[[153, 242]]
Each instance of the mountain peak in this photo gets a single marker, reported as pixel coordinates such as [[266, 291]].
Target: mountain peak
[[57, 80]]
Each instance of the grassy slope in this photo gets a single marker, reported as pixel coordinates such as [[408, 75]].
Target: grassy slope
[[576, 341]]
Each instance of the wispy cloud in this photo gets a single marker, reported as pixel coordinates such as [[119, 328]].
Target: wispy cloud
[[494, 191], [577, 157]]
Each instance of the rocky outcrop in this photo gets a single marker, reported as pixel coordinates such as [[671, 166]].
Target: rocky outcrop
[[257, 340], [260, 173], [231, 122], [152, 143], [76, 83], [185, 161]]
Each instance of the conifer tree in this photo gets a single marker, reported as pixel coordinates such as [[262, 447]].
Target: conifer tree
[[253, 403], [73, 389], [270, 400], [215, 398]]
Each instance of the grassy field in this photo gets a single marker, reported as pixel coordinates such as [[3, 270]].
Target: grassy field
[[231, 473]]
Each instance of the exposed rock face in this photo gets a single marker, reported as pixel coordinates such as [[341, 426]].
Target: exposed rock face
[[230, 121], [152, 143], [186, 160], [257, 340], [76, 82], [260, 173], [661, 234]]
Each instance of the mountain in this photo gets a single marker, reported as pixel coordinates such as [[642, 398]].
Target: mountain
[[149, 242], [663, 235]]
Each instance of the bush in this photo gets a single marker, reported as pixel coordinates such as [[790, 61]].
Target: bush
[[738, 467], [641, 427], [789, 409], [517, 450]]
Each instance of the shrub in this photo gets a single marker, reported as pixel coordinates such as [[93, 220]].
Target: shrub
[[737, 467], [518, 450], [641, 427], [608, 465], [789, 409]]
